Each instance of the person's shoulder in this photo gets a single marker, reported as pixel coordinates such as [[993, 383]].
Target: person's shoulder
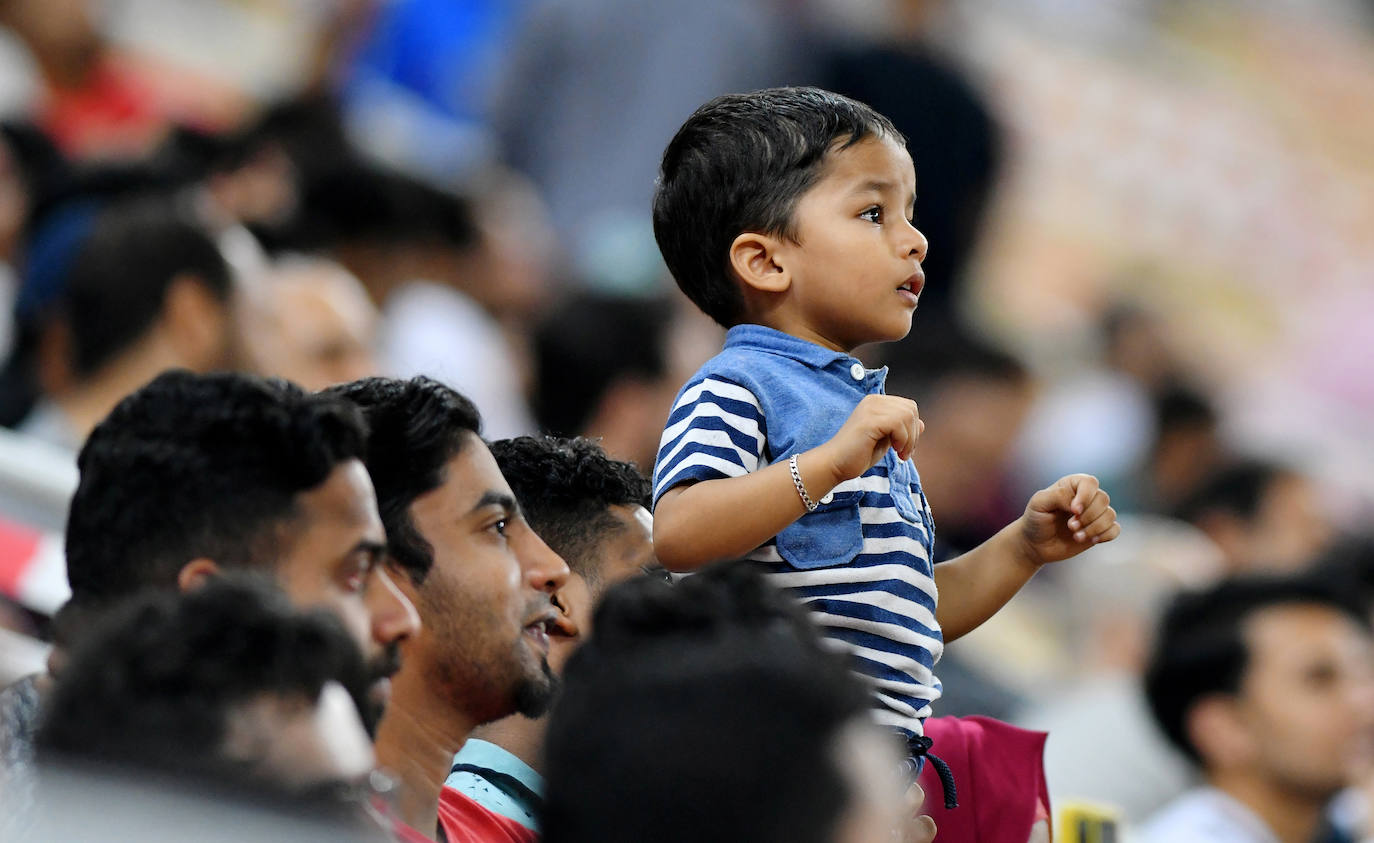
[[1203, 814]]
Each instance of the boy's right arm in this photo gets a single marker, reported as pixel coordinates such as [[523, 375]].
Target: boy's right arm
[[696, 524]]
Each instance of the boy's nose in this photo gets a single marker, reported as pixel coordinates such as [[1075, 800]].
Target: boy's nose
[[919, 245]]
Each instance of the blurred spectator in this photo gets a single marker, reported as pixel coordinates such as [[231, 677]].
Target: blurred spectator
[[591, 510], [603, 370], [950, 129], [1188, 447], [1264, 516], [311, 322], [226, 692], [1266, 685], [139, 289], [78, 90], [440, 281], [769, 741], [596, 88], [225, 682], [483, 582]]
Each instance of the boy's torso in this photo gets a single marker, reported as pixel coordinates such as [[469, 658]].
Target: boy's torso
[[861, 561]]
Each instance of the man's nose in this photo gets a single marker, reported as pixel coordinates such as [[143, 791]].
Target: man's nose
[[392, 614], [544, 570]]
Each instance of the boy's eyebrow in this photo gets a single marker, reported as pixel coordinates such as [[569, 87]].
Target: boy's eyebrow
[[878, 186]]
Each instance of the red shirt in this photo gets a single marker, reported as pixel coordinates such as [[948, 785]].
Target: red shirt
[[464, 821]]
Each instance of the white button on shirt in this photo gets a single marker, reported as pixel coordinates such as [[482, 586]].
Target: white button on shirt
[[857, 371], [827, 497]]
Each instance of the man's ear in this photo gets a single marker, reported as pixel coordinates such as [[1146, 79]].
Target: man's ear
[[196, 321], [1216, 726], [196, 573], [755, 259]]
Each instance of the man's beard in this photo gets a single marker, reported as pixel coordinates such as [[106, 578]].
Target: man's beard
[[534, 695], [372, 699]]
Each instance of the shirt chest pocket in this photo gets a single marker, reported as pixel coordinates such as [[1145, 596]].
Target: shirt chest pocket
[[906, 492], [830, 535]]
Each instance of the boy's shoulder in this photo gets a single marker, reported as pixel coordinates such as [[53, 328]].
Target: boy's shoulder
[[756, 369]]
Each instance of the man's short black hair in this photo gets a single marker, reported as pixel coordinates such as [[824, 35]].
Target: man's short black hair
[[199, 466], [1200, 646], [565, 488], [118, 279], [710, 706], [1236, 489], [153, 685], [415, 427], [738, 164]]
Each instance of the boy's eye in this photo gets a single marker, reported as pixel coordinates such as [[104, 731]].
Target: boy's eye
[[499, 526], [873, 214]]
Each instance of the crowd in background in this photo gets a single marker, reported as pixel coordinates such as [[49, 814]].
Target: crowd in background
[[1149, 260]]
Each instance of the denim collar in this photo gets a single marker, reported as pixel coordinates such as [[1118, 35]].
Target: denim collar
[[773, 341]]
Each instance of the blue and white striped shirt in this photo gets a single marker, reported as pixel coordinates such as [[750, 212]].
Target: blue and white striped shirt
[[861, 562]]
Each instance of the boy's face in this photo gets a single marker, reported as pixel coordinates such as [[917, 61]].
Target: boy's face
[[856, 266]]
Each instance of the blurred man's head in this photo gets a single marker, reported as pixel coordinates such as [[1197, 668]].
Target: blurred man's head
[[603, 369], [481, 578], [194, 474], [713, 711], [311, 322], [226, 683], [1268, 681], [147, 275], [591, 510], [1264, 516]]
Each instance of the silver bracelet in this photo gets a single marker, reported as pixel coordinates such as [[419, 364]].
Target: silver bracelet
[[801, 488]]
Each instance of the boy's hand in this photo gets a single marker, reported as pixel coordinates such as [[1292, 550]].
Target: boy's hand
[[1067, 518], [878, 423]]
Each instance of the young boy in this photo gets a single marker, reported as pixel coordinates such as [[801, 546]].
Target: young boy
[[785, 215]]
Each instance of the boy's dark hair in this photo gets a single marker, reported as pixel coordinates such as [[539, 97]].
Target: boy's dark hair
[[738, 164], [199, 465], [118, 280], [587, 345], [153, 684], [1200, 646], [415, 428], [565, 487], [710, 706]]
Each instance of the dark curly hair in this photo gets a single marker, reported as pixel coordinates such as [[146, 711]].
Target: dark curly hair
[[154, 683], [197, 465], [738, 164], [564, 487], [416, 427]]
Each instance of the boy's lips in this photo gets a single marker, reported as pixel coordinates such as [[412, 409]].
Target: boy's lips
[[912, 286]]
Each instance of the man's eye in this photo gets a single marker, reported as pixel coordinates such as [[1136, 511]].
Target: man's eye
[[500, 526], [873, 214]]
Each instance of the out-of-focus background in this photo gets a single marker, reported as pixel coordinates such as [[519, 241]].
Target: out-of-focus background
[[1152, 259]]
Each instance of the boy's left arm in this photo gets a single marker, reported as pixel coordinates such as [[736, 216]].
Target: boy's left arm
[[1059, 522]]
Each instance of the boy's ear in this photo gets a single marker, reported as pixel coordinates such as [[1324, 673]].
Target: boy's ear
[[754, 258]]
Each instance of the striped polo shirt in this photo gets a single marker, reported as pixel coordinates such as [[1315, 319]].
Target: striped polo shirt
[[861, 562]]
